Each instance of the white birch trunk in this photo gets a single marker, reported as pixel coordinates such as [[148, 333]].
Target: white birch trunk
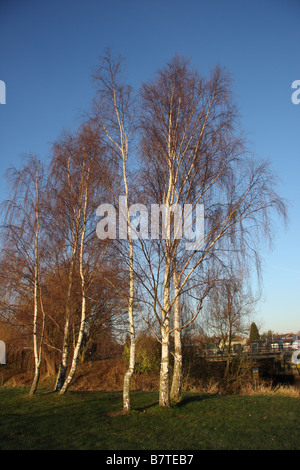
[[36, 351], [119, 139], [164, 380], [164, 386], [77, 348], [64, 358], [129, 373], [35, 333], [130, 370], [177, 372], [83, 306], [61, 376]]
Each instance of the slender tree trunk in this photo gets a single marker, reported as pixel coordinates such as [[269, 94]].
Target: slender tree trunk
[[115, 95], [129, 373], [37, 352], [228, 361], [35, 319], [164, 382], [164, 386], [177, 372], [61, 376], [37, 361], [77, 349], [64, 357], [83, 305]]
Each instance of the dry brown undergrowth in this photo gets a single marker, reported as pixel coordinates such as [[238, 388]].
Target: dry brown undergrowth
[[108, 375]]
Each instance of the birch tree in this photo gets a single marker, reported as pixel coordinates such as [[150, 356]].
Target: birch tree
[[92, 253], [192, 153], [113, 114], [23, 225], [77, 174], [66, 210], [229, 307]]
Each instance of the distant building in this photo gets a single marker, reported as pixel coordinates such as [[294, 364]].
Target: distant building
[[237, 344], [275, 343], [282, 342]]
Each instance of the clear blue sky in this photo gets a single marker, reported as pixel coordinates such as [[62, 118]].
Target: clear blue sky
[[48, 50]]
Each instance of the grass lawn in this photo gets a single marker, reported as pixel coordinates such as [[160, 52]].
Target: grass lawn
[[92, 420]]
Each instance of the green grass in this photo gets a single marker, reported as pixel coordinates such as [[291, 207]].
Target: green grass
[[92, 420]]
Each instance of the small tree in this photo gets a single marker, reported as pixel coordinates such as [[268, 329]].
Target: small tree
[[254, 334], [23, 233], [230, 305], [76, 181]]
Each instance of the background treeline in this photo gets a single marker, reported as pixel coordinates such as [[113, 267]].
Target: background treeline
[[69, 295]]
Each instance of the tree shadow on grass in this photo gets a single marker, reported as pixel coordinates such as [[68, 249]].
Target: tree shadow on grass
[[153, 404], [186, 399], [195, 398]]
